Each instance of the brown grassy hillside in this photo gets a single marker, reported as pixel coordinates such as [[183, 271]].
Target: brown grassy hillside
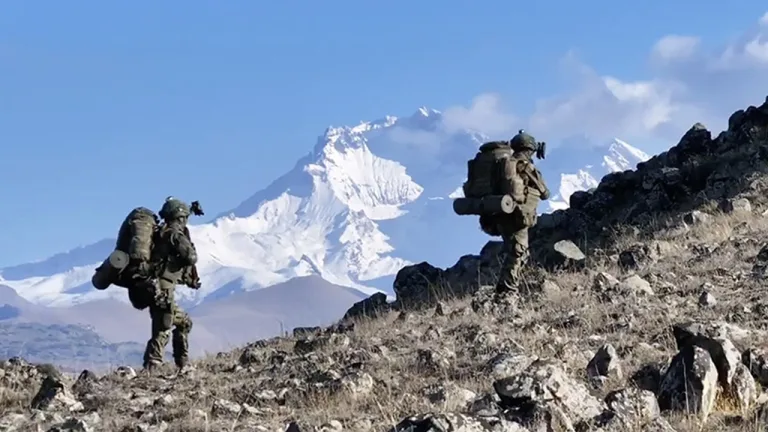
[[660, 327]]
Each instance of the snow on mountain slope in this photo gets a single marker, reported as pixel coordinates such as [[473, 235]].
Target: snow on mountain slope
[[597, 162], [366, 201]]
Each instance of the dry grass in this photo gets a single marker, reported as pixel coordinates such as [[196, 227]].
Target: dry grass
[[569, 324]]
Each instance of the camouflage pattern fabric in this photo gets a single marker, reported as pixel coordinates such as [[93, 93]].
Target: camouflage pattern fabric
[[173, 253], [168, 322], [514, 227]]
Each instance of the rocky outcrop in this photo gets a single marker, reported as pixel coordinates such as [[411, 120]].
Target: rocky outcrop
[[729, 170]]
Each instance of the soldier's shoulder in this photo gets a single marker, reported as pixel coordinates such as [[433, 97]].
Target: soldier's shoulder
[[524, 165]]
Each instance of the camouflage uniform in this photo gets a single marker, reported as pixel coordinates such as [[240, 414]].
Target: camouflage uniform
[[173, 252], [514, 227]]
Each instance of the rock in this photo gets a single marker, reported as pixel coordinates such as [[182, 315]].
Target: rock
[[605, 363], [434, 361], [440, 309], [636, 256], [723, 353], [85, 383], [742, 393], [300, 332], [549, 288], [696, 217], [604, 282], [756, 360], [690, 383], [159, 427], [370, 307], [223, 407], [77, 425], [53, 395], [635, 285], [125, 372], [504, 365], [544, 393], [12, 422], [567, 254], [454, 423], [634, 405], [331, 426], [357, 384], [706, 299], [738, 205], [449, 397]]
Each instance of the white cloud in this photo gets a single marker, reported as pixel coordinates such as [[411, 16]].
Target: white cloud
[[688, 84], [486, 114], [673, 47]]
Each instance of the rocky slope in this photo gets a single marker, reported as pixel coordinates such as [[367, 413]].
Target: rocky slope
[[655, 323]]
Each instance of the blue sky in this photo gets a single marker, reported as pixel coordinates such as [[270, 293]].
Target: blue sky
[[107, 106]]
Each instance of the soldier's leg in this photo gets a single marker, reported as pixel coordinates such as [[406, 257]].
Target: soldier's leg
[[516, 254], [161, 313], [182, 325], [162, 320]]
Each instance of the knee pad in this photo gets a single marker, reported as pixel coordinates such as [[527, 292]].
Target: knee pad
[[185, 326]]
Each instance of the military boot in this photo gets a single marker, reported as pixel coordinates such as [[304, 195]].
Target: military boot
[[151, 367]]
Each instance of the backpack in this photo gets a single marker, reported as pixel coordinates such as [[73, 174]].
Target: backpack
[[485, 192], [133, 250], [136, 234]]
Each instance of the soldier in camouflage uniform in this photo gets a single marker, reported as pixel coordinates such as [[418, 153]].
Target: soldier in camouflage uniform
[[173, 254], [514, 227]]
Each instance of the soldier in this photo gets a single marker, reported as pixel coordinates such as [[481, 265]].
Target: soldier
[[173, 254], [514, 227]]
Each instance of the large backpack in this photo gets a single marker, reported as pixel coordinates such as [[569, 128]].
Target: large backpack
[[484, 193], [136, 234], [133, 249]]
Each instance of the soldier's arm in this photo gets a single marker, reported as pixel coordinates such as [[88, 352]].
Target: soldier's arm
[[184, 247], [513, 183], [544, 190]]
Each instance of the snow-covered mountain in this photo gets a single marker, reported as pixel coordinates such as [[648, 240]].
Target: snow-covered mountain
[[582, 169], [366, 201]]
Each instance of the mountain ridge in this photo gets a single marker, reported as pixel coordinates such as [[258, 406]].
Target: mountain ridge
[[366, 201]]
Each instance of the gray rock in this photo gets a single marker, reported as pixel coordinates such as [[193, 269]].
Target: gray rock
[[634, 405], [738, 205], [544, 393], [690, 383], [635, 285], [567, 254], [605, 363]]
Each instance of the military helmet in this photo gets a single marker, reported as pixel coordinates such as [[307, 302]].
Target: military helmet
[[174, 208], [523, 141]]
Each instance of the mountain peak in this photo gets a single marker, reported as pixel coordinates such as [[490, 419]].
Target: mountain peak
[[355, 210]]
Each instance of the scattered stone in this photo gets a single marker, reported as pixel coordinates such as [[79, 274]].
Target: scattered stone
[[706, 299], [690, 383], [696, 217], [634, 406], [546, 398], [738, 205], [125, 372], [635, 285], [53, 394], [223, 407], [605, 363], [756, 360], [567, 254]]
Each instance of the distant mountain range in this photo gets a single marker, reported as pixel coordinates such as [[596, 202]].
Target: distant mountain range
[[366, 201]]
